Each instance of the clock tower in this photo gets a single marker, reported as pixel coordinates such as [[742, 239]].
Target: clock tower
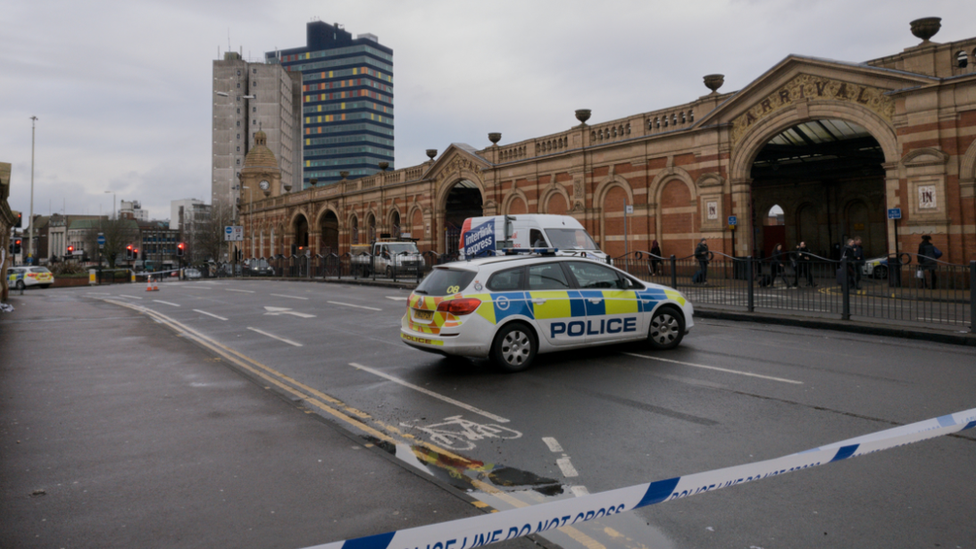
[[261, 175]]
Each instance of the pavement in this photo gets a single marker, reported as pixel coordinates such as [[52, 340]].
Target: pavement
[[115, 432]]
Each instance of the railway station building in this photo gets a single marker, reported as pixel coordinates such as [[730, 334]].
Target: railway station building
[[812, 150]]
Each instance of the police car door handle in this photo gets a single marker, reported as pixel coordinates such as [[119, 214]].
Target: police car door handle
[[538, 301], [595, 299]]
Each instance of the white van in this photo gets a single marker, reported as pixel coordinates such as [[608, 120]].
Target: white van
[[566, 234]]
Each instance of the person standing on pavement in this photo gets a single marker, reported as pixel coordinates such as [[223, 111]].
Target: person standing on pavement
[[858, 261], [655, 261], [848, 253], [778, 265], [701, 254], [926, 261], [804, 266]]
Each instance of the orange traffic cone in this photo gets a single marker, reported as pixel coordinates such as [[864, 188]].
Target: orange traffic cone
[[149, 284]]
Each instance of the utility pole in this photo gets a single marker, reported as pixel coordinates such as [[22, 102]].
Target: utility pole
[[30, 252]]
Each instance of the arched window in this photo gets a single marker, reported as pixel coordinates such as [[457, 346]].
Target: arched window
[[354, 230], [962, 59], [775, 216]]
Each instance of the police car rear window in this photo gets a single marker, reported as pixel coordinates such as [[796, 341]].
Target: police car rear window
[[445, 282]]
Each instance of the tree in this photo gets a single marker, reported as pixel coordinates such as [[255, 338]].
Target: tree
[[118, 233], [208, 239]]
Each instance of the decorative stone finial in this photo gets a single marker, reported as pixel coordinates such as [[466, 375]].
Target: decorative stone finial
[[926, 27], [313, 182], [344, 174], [431, 153], [494, 137], [583, 115], [714, 81], [384, 165]]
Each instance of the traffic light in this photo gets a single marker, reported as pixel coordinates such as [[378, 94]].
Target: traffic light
[[128, 252], [135, 253], [16, 246], [179, 249], [20, 220], [70, 252]]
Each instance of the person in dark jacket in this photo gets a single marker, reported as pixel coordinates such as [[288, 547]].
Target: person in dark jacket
[[701, 254], [804, 266], [778, 262], [655, 261], [847, 252], [926, 261], [858, 262]]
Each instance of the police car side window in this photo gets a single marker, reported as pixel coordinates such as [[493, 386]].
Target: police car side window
[[594, 276], [506, 281], [548, 276]]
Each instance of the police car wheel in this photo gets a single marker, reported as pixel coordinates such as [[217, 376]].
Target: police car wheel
[[667, 329], [514, 347]]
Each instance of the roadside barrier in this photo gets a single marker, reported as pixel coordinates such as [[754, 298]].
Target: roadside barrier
[[515, 523]]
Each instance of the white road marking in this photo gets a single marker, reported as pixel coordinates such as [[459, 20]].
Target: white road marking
[[566, 467], [397, 298], [242, 291], [944, 320], [552, 444], [209, 314], [290, 296], [94, 293], [275, 311], [579, 491], [167, 303], [356, 306], [428, 392], [288, 341], [749, 374], [130, 296]]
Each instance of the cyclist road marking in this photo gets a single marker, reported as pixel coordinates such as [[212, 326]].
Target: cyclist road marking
[[288, 341], [428, 392], [356, 306], [749, 374], [290, 296], [167, 303], [242, 291], [209, 314]]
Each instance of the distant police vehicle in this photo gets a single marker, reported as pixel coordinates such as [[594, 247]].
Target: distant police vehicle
[[511, 307]]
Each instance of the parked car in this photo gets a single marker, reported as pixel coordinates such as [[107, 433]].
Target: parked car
[[258, 267], [25, 277]]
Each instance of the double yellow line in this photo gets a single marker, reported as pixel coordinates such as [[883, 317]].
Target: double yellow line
[[316, 399]]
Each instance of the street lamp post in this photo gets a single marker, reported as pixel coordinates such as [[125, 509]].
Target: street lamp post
[[30, 252], [113, 203]]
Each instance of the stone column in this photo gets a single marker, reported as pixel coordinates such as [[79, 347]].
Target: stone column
[[742, 209]]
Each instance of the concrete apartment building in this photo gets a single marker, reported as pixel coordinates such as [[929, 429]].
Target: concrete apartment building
[[249, 97]]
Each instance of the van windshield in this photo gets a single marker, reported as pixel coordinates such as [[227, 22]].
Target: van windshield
[[571, 239], [400, 247]]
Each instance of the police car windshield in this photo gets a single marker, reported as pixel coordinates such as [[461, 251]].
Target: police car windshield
[[445, 282], [401, 247], [571, 239]]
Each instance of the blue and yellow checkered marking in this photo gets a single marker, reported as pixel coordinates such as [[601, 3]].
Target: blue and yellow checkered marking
[[497, 307]]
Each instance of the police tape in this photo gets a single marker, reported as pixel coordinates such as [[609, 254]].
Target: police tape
[[485, 529]]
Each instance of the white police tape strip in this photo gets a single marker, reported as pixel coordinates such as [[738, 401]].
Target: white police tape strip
[[514, 523]]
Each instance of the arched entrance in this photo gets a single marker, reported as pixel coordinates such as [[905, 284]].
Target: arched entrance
[[463, 201], [827, 178], [330, 234], [301, 234]]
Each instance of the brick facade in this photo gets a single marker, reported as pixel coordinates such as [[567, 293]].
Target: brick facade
[[686, 169]]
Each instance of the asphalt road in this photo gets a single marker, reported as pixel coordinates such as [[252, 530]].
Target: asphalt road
[[611, 417]]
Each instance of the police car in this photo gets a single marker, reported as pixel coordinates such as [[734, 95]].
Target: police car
[[512, 307]]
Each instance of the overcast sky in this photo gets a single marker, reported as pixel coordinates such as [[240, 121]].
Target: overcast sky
[[122, 90]]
